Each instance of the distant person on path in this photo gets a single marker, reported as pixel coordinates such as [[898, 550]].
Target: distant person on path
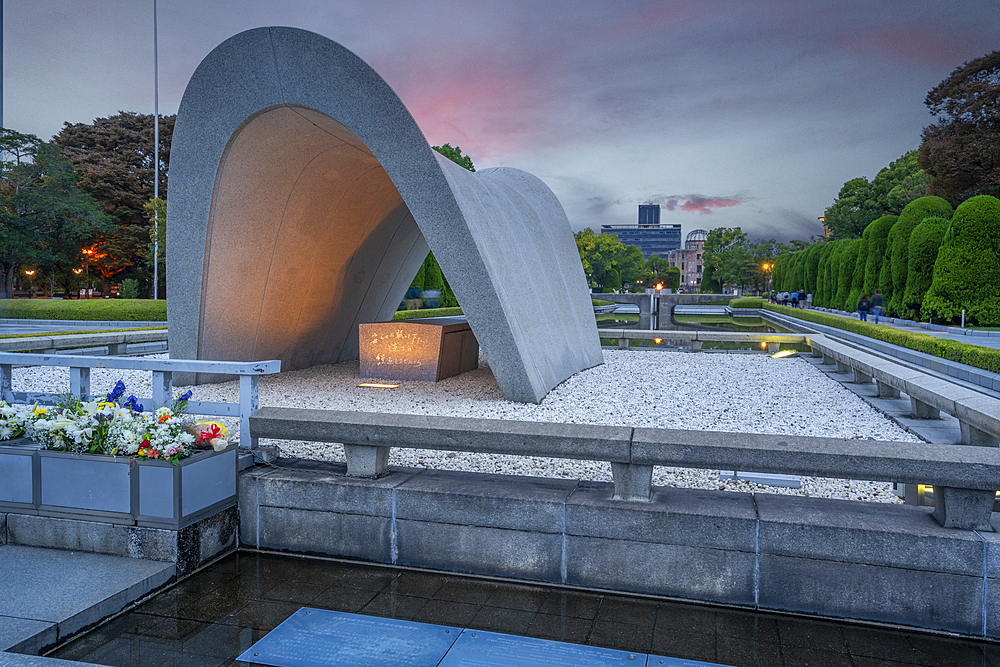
[[809, 300], [864, 305], [793, 299], [877, 304], [802, 298]]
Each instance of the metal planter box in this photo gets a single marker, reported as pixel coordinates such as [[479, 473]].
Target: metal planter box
[[116, 489]]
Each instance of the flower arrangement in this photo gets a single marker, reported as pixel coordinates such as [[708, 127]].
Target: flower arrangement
[[12, 421], [114, 426]]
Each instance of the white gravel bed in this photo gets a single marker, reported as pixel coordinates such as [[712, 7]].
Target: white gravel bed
[[746, 393]]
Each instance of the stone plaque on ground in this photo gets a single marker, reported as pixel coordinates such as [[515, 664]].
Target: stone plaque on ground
[[476, 648], [320, 638]]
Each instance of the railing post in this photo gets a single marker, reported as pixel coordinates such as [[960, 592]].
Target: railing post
[[632, 481], [886, 390], [976, 436], [7, 382], [860, 377], [921, 410], [969, 509], [162, 389], [79, 382], [842, 367], [249, 403], [366, 460], [622, 342], [117, 349]]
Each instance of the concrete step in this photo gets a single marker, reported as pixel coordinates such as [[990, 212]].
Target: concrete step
[[47, 595]]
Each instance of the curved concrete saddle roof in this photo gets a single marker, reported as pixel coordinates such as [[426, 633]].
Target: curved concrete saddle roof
[[303, 199]]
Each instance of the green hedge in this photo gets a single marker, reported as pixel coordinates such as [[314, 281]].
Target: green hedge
[[964, 353], [967, 268], [426, 312], [115, 310], [747, 302], [601, 302]]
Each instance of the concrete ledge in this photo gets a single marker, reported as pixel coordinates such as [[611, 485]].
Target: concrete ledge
[[572, 441], [186, 549], [966, 467]]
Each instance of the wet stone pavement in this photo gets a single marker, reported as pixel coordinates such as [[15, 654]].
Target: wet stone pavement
[[214, 615]]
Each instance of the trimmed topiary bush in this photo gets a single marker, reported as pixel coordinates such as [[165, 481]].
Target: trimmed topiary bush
[[114, 310], [896, 265], [845, 272], [924, 243], [878, 238], [747, 302], [967, 269], [858, 274]]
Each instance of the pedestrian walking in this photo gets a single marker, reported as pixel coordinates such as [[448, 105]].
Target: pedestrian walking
[[876, 305], [864, 305], [809, 300]]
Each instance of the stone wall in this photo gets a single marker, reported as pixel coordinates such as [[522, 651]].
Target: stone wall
[[833, 558]]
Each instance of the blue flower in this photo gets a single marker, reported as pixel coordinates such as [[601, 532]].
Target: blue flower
[[186, 395], [116, 393], [133, 404]]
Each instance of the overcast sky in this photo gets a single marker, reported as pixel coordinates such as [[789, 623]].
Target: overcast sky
[[746, 113]]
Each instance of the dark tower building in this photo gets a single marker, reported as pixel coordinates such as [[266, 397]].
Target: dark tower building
[[649, 235]]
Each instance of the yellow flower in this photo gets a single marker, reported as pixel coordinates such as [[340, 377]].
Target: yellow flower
[[40, 411]]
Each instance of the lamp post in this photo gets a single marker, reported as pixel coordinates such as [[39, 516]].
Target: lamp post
[[766, 268], [156, 159]]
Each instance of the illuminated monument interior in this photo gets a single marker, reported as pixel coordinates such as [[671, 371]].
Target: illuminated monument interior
[[303, 199]]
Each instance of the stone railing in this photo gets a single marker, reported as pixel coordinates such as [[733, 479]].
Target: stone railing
[[972, 472], [977, 413], [696, 338], [116, 341], [162, 369]]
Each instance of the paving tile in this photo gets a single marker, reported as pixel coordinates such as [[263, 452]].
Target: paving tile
[[448, 612], [390, 605], [686, 645], [560, 628], [621, 636], [500, 619], [466, 590], [515, 596], [351, 600], [640, 613], [572, 604]]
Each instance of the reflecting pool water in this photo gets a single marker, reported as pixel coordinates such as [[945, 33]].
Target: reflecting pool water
[[215, 614]]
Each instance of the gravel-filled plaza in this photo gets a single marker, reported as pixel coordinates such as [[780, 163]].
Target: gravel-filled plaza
[[750, 393]]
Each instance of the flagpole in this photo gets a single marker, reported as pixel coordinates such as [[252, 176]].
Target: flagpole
[[156, 160]]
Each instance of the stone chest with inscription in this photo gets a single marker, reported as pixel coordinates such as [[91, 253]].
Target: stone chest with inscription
[[430, 349]]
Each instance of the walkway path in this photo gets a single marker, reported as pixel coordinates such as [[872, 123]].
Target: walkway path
[[18, 326], [47, 595], [970, 336]]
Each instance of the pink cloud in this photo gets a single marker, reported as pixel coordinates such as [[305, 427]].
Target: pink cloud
[[701, 203]]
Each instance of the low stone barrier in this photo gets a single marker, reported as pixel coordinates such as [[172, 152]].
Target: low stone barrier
[[977, 413], [367, 438], [116, 342]]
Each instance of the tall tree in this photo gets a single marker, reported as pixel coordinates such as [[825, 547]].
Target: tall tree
[[455, 155], [861, 202], [44, 218], [114, 157], [961, 150], [607, 261]]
